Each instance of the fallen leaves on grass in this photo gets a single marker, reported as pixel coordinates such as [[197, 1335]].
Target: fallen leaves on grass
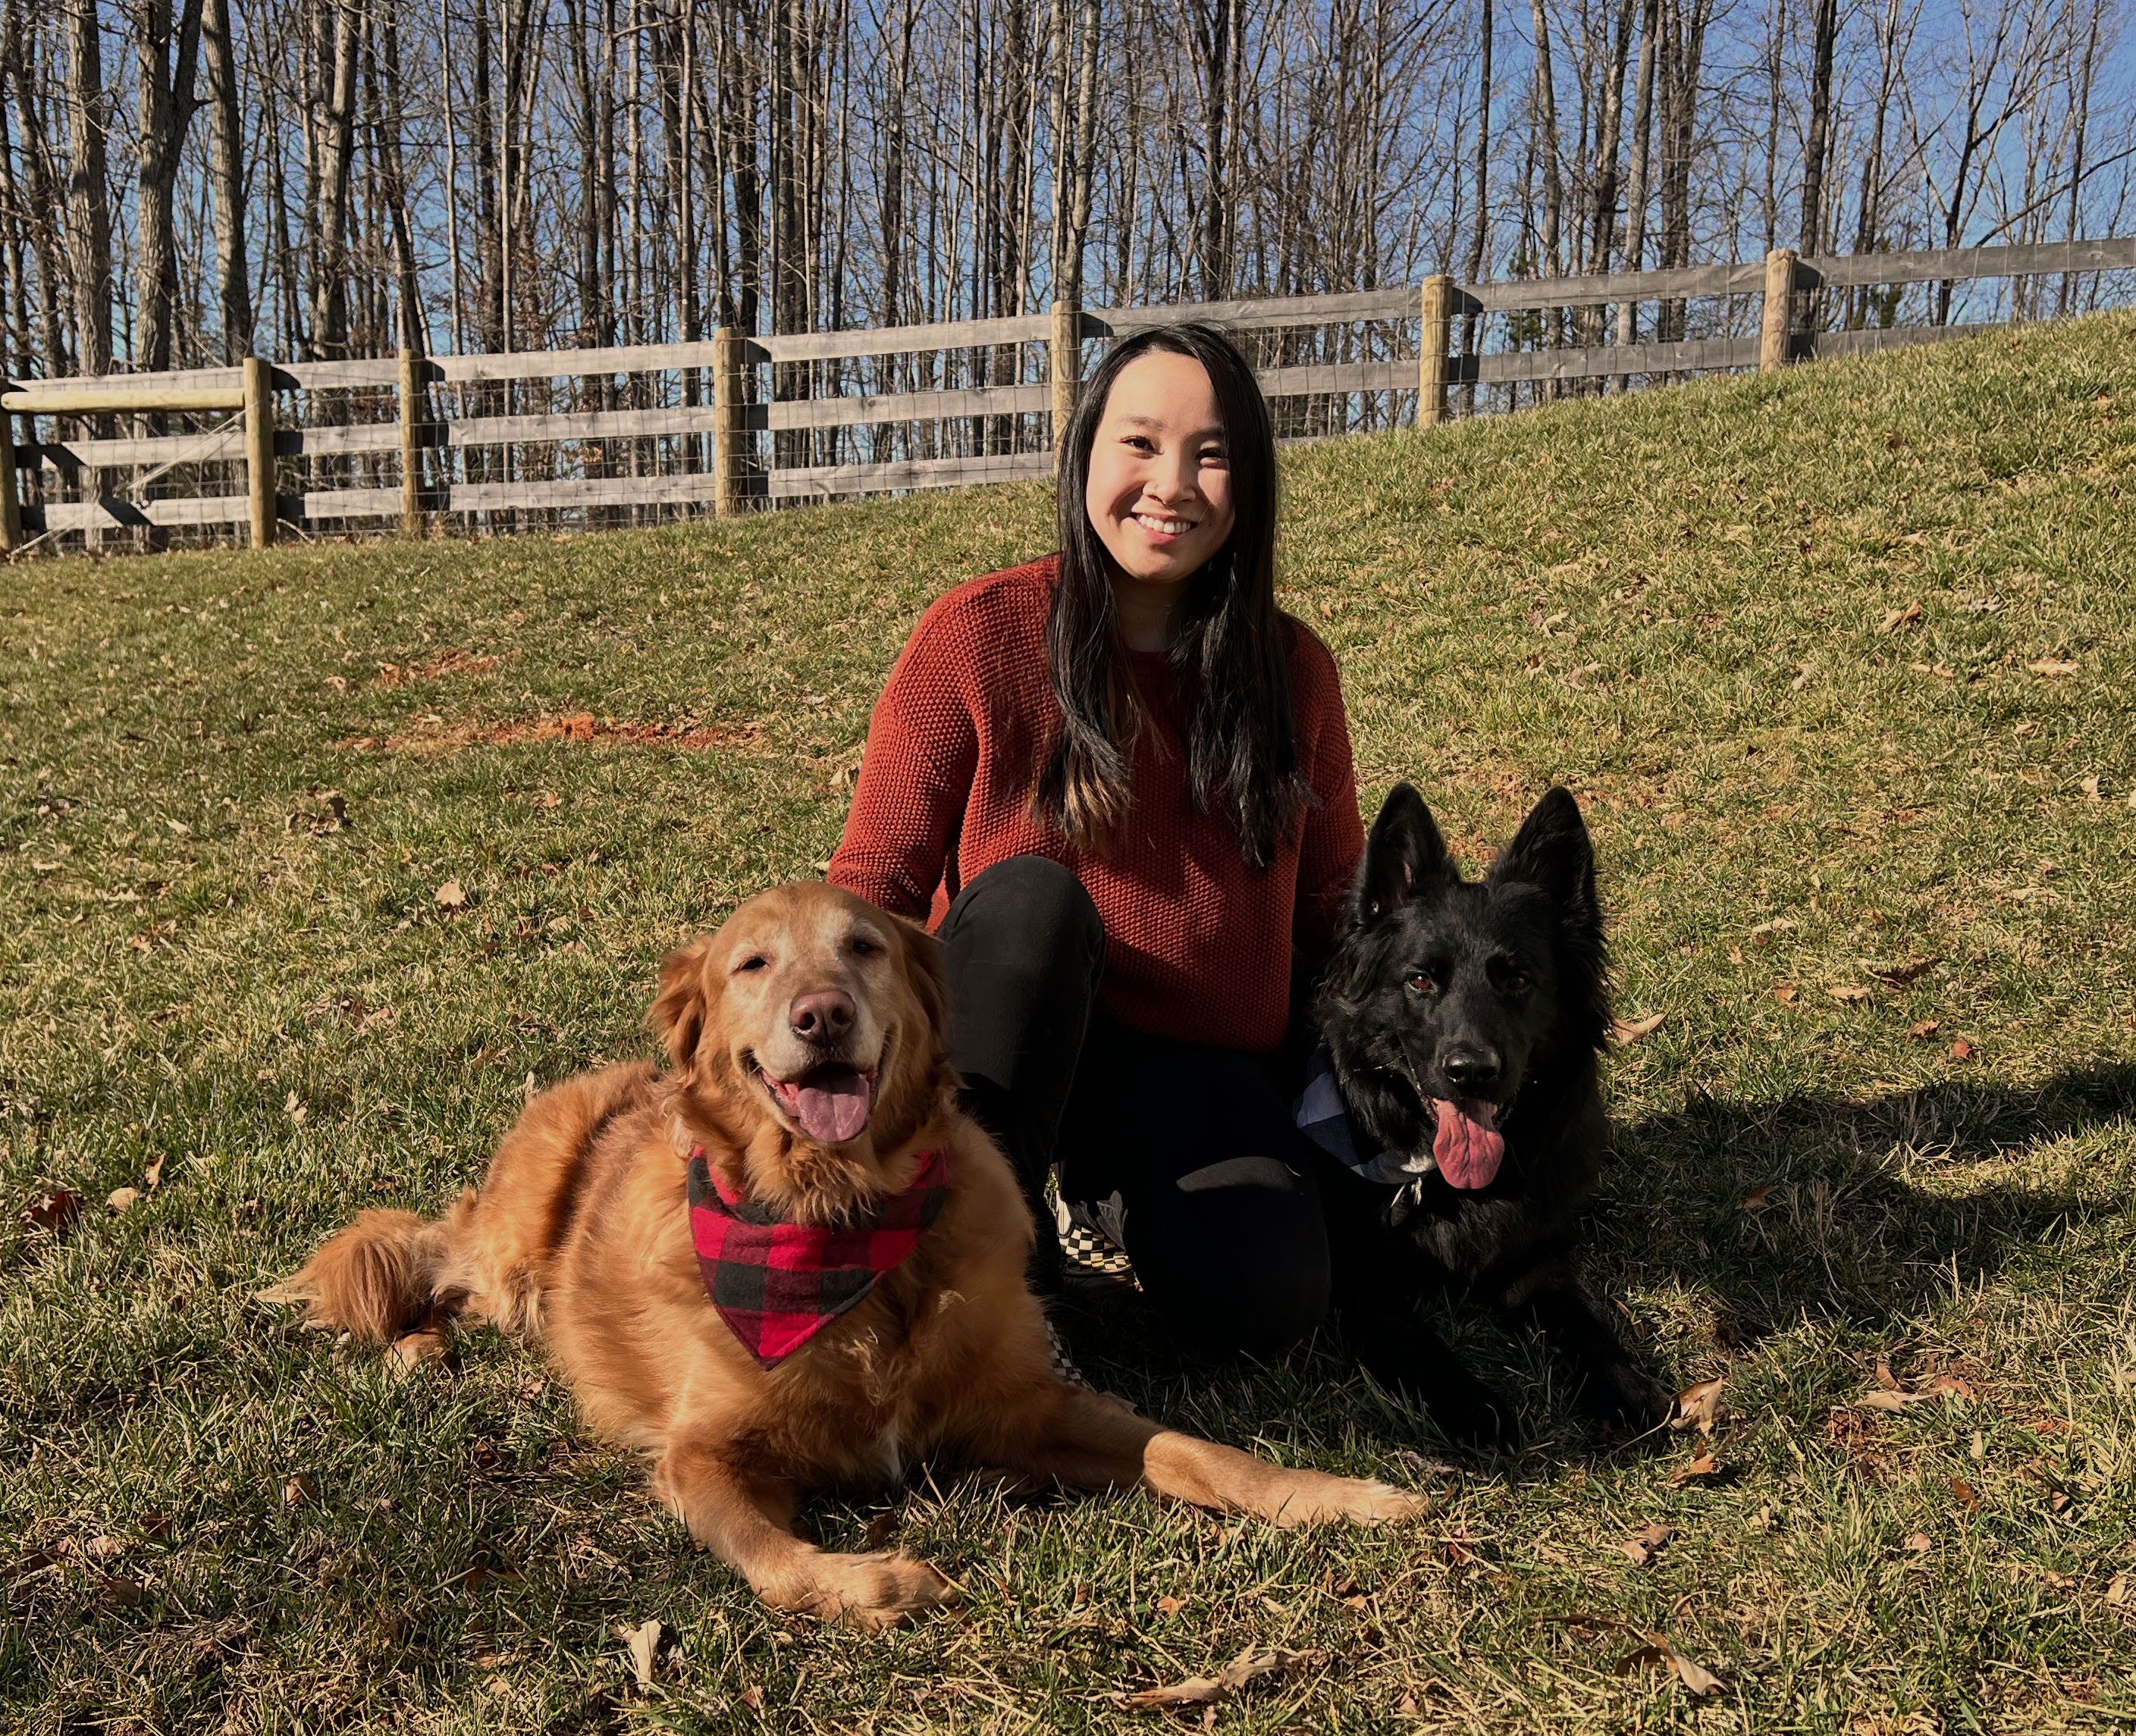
[[1926, 1028], [643, 1642], [1170, 1606], [1209, 1690], [152, 1177], [1961, 1050], [1645, 1549], [1703, 1469], [56, 1210], [120, 1200], [450, 896], [1920, 1544], [1786, 994], [1656, 1649], [1889, 1394], [299, 1490], [1698, 1406], [1898, 976], [1629, 1031], [2053, 667], [1965, 1494], [1899, 617], [1757, 1199], [1847, 991]]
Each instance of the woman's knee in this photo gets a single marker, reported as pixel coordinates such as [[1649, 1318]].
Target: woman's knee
[[1032, 900]]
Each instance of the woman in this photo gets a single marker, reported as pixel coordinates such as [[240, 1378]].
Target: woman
[[1118, 782]]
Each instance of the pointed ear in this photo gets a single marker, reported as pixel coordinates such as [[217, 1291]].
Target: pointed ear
[[1551, 851], [1404, 851], [680, 1009], [930, 977]]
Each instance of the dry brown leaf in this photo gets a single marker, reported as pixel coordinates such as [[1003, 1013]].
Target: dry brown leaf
[[1951, 1384], [121, 1593], [2090, 788], [2117, 1589], [752, 1697], [1208, 1690], [2053, 667], [1170, 1606], [1849, 991], [1704, 1468], [1899, 618], [1920, 1544], [1786, 994], [120, 1200], [103, 1549], [450, 896], [1968, 1497], [1898, 976], [55, 1210], [1628, 1031], [1961, 1050], [1645, 1549], [642, 1642], [1697, 1406], [1883, 1400], [1885, 1377], [299, 1489], [153, 1176], [1926, 1028], [1694, 1676], [1757, 1200]]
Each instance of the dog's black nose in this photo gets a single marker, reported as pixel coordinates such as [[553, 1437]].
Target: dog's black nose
[[1471, 1071], [822, 1016]]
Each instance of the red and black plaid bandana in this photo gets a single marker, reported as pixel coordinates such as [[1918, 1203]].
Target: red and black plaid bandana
[[778, 1284]]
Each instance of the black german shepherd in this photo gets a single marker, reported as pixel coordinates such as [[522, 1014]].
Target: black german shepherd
[[1460, 1024]]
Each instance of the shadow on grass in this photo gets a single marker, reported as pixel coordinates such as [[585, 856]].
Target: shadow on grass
[[1764, 1214]]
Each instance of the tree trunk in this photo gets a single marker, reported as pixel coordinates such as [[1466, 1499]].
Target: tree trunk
[[1636, 195], [1827, 37], [335, 124], [226, 171], [1480, 234]]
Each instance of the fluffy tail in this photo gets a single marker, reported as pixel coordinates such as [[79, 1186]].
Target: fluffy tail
[[387, 1273]]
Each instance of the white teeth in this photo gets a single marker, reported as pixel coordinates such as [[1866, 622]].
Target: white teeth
[[1165, 527]]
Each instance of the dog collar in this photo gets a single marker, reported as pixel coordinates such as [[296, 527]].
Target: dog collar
[[1323, 1118], [777, 1284]]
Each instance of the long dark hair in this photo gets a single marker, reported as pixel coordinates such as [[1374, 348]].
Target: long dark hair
[[1227, 648]]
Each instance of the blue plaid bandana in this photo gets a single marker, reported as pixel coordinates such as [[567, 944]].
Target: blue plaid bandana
[[1322, 1118]]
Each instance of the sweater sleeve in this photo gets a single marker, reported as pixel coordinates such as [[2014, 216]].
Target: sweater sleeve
[[1334, 840], [915, 778]]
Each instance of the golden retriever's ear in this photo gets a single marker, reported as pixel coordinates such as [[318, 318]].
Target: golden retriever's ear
[[924, 969], [679, 1009]]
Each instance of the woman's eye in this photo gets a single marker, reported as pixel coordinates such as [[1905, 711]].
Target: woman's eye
[[1420, 983]]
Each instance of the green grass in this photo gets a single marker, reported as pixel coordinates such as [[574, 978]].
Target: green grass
[[1675, 604]]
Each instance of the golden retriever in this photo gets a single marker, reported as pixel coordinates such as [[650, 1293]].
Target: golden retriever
[[809, 1075]]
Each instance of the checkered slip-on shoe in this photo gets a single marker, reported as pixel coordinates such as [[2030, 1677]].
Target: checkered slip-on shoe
[[1087, 1251]]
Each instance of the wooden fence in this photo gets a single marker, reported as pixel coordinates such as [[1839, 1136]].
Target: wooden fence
[[738, 422]]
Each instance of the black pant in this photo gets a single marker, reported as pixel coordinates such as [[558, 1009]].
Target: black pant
[[1221, 1216]]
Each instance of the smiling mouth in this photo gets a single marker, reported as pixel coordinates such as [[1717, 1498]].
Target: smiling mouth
[[1159, 526], [830, 1103]]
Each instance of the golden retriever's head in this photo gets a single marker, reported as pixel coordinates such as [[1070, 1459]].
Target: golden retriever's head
[[812, 1010]]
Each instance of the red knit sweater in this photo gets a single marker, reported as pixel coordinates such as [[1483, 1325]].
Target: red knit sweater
[[1197, 944]]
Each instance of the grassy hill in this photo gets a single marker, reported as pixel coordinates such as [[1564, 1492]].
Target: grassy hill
[[1840, 665]]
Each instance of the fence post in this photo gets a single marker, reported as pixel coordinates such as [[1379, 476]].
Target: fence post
[[727, 421], [11, 502], [1437, 311], [415, 420], [1066, 352], [259, 447], [1776, 333]]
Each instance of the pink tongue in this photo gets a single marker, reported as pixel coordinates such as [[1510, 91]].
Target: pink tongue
[[831, 1102], [1468, 1146]]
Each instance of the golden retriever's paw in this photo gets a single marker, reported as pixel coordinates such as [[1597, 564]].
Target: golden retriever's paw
[[873, 1592], [1307, 1498]]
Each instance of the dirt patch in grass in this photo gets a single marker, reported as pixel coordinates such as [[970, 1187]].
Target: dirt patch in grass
[[436, 735]]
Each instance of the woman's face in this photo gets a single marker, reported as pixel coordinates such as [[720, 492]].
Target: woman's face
[[1159, 490]]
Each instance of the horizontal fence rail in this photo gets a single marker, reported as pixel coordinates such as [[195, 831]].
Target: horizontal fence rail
[[597, 436]]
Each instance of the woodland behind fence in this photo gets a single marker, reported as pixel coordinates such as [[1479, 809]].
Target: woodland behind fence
[[185, 182]]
